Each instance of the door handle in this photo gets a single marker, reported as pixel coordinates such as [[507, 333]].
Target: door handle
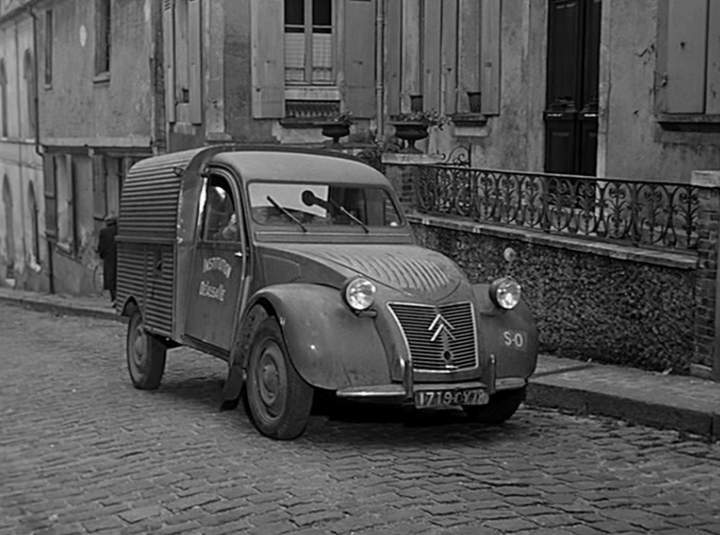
[[591, 115], [239, 254]]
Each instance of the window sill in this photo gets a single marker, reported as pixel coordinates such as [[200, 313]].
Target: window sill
[[469, 119], [301, 122], [102, 78], [682, 122]]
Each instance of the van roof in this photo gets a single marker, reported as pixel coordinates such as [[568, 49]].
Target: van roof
[[299, 166]]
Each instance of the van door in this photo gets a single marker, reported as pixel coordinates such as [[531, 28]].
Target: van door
[[219, 264]]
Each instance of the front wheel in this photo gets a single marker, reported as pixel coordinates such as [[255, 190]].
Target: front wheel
[[145, 355], [278, 399], [501, 407]]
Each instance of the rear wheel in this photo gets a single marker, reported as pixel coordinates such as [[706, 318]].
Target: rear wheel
[[145, 355], [278, 399], [501, 407]]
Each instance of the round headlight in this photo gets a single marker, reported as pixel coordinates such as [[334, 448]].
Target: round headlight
[[505, 293], [360, 294]]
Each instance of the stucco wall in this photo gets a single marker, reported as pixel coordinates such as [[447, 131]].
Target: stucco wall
[[587, 306], [636, 144], [76, 106], [21, 164]]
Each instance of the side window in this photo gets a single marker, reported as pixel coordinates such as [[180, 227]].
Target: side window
[[219, 214]]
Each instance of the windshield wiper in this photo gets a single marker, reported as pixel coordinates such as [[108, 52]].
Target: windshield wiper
[[344, 211], [286, 212]]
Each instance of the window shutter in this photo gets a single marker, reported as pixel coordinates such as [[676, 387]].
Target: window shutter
[[448, 55], [712, 93], [469, 52], [393, 47], [684, 90], [490, 57], [169, 58], [359, 61], [431, 55], [195, 61], [268, 62]]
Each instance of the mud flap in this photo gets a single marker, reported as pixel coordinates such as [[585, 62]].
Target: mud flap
[[233, 387]]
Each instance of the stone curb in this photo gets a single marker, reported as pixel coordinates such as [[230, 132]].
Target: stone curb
[[586, 402], [61, 308]]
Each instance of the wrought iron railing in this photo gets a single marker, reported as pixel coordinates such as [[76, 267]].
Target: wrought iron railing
[[646, 214]]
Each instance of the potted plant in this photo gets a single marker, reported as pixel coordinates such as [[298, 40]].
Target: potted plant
[[337, 126], [413, 126]]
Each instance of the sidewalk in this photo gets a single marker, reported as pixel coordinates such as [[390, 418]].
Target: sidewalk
[[686, 404]]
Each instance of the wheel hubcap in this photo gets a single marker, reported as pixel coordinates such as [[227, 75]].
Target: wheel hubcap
[[270, 379], [139, 347]]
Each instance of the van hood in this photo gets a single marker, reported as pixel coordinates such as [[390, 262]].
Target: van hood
[[409, 269]]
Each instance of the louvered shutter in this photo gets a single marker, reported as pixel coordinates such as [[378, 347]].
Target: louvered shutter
[[195, 60]]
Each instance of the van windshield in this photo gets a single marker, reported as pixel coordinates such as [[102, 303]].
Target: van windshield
[[304, 205]]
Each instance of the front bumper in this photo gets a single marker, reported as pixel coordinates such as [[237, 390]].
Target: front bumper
[[405, 392]]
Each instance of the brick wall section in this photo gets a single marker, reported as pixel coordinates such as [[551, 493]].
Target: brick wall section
[[400, 170], [707, 321]]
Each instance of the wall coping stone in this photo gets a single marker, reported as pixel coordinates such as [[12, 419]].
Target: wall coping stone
[[706, 178], [410, 158], [685, 261]]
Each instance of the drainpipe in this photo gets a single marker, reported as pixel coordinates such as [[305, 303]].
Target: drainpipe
[[379, 67], [38, 146]]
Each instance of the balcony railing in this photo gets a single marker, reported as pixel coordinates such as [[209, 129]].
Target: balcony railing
[[644, 214]]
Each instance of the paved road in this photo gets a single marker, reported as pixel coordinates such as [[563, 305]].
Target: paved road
[[82, 451]]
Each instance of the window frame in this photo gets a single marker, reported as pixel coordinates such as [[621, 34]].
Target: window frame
[[48, 48], [308, 27], [103, 39]]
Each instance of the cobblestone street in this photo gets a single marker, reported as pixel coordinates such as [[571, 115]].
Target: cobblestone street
[[82, 451]]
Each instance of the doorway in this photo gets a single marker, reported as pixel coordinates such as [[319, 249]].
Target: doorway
[[571, 114]]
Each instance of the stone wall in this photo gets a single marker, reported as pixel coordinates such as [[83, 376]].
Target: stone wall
[[651, 304], [605, 303]]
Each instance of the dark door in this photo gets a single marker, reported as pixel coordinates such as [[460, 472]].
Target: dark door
[[572, 86], [219, 264]]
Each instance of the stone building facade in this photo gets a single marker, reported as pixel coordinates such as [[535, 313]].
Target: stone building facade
[[23, 253], [624, 88]]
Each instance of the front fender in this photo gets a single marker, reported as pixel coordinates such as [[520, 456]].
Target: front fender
[[330, 346], [510, 335]]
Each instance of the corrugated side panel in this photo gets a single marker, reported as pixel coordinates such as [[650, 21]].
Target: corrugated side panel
[[145, 271], [159, 306], [130, 272], [149, 203]]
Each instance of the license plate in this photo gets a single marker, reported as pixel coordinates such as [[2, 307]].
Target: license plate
[[449, 398]]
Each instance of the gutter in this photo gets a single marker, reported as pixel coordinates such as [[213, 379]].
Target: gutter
[[379, 67], [38, 146]]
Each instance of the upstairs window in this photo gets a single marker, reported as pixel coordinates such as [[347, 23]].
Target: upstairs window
[[48, 48], [102, 38], [29, 75], [308, 42], [3, 100]]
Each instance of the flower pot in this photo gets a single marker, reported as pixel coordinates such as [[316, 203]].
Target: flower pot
[[335, 131], [410, 132]]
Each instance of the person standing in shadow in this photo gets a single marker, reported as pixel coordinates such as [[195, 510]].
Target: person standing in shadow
[[107, 250]]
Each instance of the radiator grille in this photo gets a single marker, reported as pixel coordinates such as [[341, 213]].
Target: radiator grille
[[439, 338]]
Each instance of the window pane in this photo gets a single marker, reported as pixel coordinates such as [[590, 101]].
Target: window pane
[[322, 57], [294, 12], [294, 57], [322, 14], [325, 205]]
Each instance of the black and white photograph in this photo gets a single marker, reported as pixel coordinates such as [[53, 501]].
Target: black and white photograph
[[360, 267]]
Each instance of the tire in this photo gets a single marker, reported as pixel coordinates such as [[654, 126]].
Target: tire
[[145, 355], [501, 407], [278, 399]]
